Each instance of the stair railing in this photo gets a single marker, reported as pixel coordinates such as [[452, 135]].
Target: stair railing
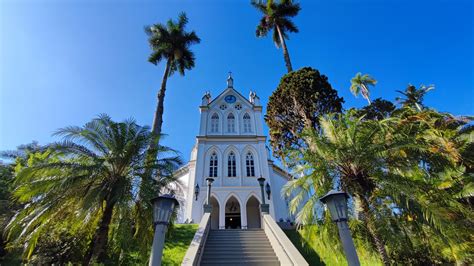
[[194, 253], [285, 250]]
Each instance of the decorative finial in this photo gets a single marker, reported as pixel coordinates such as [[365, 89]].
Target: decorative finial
[[230, 81]]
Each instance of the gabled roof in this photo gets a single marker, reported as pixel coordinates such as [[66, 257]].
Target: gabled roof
[[221, 95], [284, 173], [182, 170]]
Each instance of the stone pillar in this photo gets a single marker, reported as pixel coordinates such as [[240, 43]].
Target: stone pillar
[[243, 216], [222, 216]]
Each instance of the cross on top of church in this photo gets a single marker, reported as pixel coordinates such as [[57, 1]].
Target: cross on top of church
[[230, 81]]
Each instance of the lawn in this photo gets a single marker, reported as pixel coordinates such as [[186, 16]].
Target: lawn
[[177, 243], [308, 252], [316, 253]]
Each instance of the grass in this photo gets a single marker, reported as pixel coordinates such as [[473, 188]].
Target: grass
[[177, 242], [306, 250], [316, 253]]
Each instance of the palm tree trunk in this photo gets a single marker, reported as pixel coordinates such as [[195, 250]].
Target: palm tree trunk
[[158, 118], [365, 93], [286, 55], [98, 246], [373, 230]]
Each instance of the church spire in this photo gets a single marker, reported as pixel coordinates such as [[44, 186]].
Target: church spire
[[230, 81]]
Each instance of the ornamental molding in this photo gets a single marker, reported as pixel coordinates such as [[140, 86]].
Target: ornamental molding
[[231, 138]]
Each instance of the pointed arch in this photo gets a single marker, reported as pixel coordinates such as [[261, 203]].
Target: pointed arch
[[231, 165], [233, 209], [232, 162], [253, 194], [247, 123], [213, 194], [212, 163], [215, 203], [231, 123], [214, 123], [230, 195], [249, 164], [252, 208], [256, 161]]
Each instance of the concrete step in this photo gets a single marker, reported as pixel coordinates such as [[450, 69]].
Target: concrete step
[[238, 230], [223, 239], [237, 241], [240, 261], [235, 234], [238, 236], [247, 263], [269, 257], [238, 247], [239, 252], [242, 232]]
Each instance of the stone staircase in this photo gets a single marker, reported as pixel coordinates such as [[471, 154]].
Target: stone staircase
[[238, 247]]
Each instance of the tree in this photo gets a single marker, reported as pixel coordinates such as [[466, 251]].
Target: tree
[[171, 43], [379, 109], [360, 84], [6, 210], [277, 17], [300, 99], [375, 162], [7, 172], [90, 177], [413, 96]]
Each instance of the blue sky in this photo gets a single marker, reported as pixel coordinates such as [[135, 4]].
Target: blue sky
[[64, 62]]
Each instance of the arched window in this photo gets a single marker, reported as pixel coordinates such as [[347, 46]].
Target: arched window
[[247, 128], [249, 164], [215, 123], [213, 165], [231, 167], [230, 123]]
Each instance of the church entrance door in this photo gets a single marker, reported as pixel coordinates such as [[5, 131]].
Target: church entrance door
[[232, 214]]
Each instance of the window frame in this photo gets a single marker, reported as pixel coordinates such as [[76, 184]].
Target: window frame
[[213, 165], [247, 124], [231, 123], [215, 123], [249, 165], [231, 165]]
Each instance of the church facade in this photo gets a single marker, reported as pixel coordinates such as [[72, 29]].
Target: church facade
[[231, 148]]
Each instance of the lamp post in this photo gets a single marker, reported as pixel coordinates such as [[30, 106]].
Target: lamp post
[[163, 207], [336, 202], [264, 207], [207, 206]]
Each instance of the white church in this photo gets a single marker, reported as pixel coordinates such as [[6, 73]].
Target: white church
[[231, 149]]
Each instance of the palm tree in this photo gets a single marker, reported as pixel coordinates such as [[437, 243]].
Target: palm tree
[[413, 96], [90, 176], [172, 43], [276, 17], [368, 159], [360, 84]]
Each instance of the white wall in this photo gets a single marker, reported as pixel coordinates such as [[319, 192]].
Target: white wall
[[281, 207]]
